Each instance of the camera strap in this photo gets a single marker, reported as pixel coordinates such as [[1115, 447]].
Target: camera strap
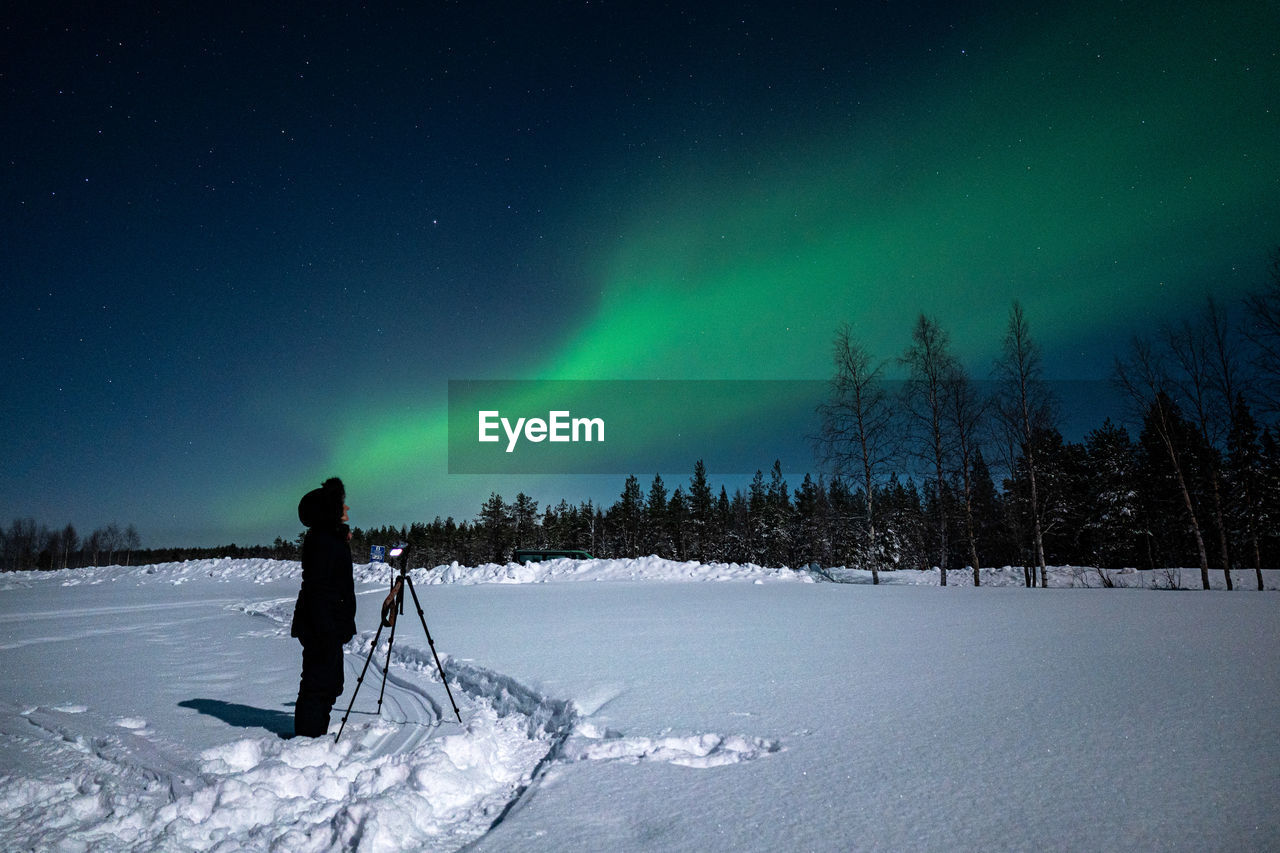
[[389, 604]]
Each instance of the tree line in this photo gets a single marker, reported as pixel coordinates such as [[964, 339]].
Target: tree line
[[27, 545], [939, 469], [1197, 486]]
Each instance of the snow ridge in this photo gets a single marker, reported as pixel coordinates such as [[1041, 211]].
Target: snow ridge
[[651, 568]]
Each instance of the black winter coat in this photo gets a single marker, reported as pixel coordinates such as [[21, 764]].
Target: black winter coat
[[326, 609]]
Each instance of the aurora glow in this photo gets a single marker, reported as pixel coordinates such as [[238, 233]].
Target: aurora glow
[[733, 185]]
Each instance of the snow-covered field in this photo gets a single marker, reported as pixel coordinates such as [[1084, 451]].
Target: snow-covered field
[[655, 706]]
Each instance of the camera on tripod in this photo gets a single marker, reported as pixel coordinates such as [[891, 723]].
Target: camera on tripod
[[393, 606]]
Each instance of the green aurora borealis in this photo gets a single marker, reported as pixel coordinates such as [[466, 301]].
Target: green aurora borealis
[[1108, 181], [273, 282]]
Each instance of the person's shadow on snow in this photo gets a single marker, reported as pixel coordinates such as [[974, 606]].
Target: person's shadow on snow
[[243, 716]]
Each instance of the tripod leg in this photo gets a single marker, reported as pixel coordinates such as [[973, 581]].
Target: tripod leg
[[432, 644], [386, 667], [359, 681]]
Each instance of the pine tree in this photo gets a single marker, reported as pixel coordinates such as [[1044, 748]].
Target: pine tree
[[630, 517], [847, 543], [813, 537], [497, 525], [678, 524], [777, 520], [1112, 504], [988, 514], [1244, 473], [524, 516], [655, 535], [701, 511], [1269, 497], [904, 542], [720, 543], [755, 519]]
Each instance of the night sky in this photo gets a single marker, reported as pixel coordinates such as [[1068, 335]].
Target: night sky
[[246, 247]]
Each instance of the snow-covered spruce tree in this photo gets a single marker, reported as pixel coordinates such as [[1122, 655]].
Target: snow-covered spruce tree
[[678, 524], [654, 533], [903, 540], [720, 543], [753, 524], [629, 518], [736, 521], [524, 519], [812, 541], [1269, 499], [988, 514], [496, 528], [778, 519], [844, 524], [701, 515], [1244, 474], [558, 524], [1111, 515], [1064, 476]]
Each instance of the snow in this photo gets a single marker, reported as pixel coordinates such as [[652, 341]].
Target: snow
[[638, 705]]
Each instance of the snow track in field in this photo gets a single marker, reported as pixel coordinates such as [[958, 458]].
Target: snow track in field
[[403, 776]]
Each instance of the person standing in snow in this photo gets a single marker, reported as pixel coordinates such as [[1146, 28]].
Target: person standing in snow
[[325, 615]]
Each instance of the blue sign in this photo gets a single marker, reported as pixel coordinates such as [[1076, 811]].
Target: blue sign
[[377, 554]]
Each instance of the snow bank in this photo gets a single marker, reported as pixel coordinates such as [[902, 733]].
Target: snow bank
[[264, 571], [650, 568], [223, 569], [1068, 577]]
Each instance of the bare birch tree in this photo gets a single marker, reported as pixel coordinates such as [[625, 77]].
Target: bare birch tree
[[929, 363], [1263, 331], [1025, 408], [1192, 346], [965, 409], [857, 420], [1142, 377]]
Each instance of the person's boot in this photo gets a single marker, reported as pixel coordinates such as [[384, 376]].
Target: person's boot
[[310, 719]]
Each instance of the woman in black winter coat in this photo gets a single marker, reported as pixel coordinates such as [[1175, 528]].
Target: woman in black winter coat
[[325, 615]]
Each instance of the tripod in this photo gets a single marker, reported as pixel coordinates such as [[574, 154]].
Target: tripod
[[393, 606]]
